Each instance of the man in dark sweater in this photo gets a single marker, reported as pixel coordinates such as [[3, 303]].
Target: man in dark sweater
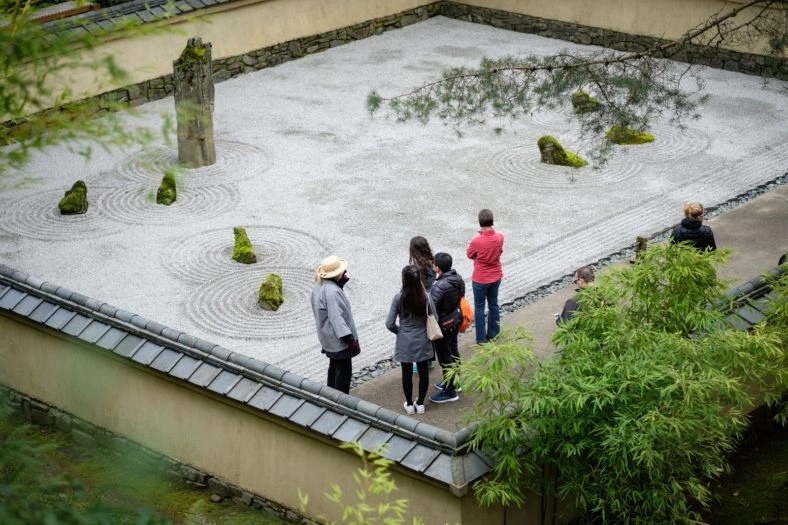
[[583, 276]]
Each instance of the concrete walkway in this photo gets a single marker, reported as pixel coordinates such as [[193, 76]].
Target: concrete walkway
[[756, 231]]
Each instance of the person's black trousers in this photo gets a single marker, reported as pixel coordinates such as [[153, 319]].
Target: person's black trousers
[[448, 353], [339, 373]]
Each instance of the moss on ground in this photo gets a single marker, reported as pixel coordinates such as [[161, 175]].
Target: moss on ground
[[554, 153], [128, 487], [627, 136], [582, 102], [270, 297], [75, 201], [167, 193], [243, 252]]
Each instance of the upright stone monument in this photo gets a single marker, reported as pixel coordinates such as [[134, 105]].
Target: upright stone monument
[[193, 75]]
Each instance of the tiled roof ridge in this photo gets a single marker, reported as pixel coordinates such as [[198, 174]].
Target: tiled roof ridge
[[755, 287], [266, 373]]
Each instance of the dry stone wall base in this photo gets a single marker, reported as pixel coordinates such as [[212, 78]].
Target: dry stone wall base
[[226, 68], [87, 434]]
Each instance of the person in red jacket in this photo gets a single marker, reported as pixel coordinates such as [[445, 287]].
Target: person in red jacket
[[485, 250]]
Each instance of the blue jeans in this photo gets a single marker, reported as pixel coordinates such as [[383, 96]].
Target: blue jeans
[[486, 293]]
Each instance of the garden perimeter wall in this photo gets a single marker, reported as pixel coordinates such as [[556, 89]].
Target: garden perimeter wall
[[253, 34]]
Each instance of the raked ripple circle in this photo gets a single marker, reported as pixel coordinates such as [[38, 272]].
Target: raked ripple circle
[[669, 144], [553, 118], [235, 161], [208, 254], [228, 305], [37, 216], [137, 205], [523, 165]]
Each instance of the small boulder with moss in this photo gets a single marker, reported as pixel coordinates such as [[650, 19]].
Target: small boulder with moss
[[167, 193], [553, 153], [243, 252], [270, 297], [582, 102], [75, 200], [626, 136]]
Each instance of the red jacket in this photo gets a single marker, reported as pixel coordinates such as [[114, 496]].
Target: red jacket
[[485, 249]]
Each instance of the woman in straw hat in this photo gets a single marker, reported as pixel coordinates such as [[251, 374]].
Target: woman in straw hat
[[413, 345], [336, 330]]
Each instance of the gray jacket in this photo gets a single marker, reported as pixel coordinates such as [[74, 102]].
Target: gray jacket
[[412, 344], [333, 317]]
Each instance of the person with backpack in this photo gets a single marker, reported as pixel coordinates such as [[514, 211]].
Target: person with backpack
[[411, 306], [446, 293]]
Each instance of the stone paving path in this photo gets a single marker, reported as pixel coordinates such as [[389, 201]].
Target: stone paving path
[[302, 165]]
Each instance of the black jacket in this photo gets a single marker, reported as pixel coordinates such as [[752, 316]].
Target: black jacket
[[695, 233], [446, 293]]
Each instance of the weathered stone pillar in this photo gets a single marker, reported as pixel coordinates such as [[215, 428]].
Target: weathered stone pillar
[[193, 75]]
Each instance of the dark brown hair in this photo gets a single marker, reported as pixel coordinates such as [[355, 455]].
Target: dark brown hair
[[420, 252], [485, 218]]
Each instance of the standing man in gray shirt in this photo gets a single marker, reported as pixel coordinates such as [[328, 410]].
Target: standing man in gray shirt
[[336, 330]]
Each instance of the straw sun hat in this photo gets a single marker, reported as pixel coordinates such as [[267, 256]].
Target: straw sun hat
[[330, 267]]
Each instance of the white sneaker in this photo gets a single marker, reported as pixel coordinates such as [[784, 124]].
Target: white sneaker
[[409, 408], [419, 408]]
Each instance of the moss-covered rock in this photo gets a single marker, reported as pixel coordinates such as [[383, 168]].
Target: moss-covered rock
[[75, 200], [553, 153], [166, 194], [584, 103], [243, 252], [627, 136], [270, 297]]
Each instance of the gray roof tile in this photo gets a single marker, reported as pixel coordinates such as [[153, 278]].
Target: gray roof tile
[[186, 339], [76, 324], [292, 379], [185, 367], [313, 387], [93, 304], [274, 372], [221, 352], [397, 448], [474, 467], [27, 305], [94, 331], [64, 293], [196, 4], [244, 390], [373, 438], [763, 305], [171, 334], [265, 398], [286, 405], [165, 360], [3, 289], [350, 430], [440, 469], [155, 327], [108, 309], [59, 319], [737, 322], [204, 374], [307, 414], [35, 282], [78, 298], [128, 345], [147, 353], [750, 314], [388, 416], [124, 315], [419, 458], [11, 298], [49, 288], [224, 382], [365, 407], [111, 339], [328, 422], [42, 312]]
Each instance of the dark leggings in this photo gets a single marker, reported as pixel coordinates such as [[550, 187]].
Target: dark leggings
[[407, 381]]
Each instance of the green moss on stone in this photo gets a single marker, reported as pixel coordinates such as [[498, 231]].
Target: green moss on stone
[[75, 200], [243, 252], [584, 103], [553, 153], [166, 194], [270, 297], [627, 136]]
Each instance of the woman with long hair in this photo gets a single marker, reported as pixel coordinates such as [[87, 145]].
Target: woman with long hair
[[421, 256], [410, 306]]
